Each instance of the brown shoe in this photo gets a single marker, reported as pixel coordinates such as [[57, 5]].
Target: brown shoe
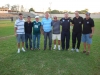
[[84, 51], [87, 53]]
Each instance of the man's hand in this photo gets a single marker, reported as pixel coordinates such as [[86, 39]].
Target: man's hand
[[42, 32], [15, 34], [91, 35]]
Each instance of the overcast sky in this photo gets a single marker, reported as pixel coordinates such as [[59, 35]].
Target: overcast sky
[[70, 5]]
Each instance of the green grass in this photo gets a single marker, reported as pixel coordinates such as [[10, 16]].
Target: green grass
[[47, 62]]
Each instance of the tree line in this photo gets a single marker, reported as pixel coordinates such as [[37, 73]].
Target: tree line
[[18, 8]]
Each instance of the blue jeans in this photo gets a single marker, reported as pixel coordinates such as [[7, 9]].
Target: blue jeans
[[86, 38], [28, 37], [36, 38]]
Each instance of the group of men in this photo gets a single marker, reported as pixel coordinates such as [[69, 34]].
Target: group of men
[[83, 30]]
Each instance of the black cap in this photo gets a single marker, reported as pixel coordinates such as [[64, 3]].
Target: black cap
[[87, 13]]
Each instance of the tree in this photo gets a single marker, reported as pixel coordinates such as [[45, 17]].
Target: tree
[[14, 8], [55, 12], [22, 8], [31, 9], [7, 6]]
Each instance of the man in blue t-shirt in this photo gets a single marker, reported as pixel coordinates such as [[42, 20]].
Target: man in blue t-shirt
[[47, 30]]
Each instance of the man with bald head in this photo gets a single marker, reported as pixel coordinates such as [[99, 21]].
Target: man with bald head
[[77, 31], [47, 30], [65, 34]]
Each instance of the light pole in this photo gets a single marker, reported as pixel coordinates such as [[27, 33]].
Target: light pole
[[50, 3]]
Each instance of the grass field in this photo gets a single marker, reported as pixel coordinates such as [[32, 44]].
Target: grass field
[[46, 62]]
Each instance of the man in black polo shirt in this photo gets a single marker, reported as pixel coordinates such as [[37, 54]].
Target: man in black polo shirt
[[88, 30], [28, 32], [77, 31], [65, 34]]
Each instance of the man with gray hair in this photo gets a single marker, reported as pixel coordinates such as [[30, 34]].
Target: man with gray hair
[[56, 32], [47, 30], [88, 31]]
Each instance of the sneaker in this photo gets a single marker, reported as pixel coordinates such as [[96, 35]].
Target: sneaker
[[58, 48], [23, 49], [18, 51], [87, 53], [72, 49], [84, 51], [77, 50], [54, 48]]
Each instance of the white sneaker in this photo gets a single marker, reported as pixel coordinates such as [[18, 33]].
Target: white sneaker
[[72, 49], [77, 50], [18, 51], [23, 49], [58, 48], [54, 48]]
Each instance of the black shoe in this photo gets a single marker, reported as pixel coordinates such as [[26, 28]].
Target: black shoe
[[38, 48], [49, 48], [44, 49]]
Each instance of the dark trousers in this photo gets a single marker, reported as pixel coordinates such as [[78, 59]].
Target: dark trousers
[[49, 36], [76, 36], [28, 37], [36, 41], [65, 36]]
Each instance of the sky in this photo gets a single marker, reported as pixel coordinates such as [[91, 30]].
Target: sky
[[69, 5]]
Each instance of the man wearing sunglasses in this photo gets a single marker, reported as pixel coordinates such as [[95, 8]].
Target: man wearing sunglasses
[[56, 32]]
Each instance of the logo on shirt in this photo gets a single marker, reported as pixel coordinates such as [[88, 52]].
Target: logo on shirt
[[87, 22], [79, 22], [63, 20], [36, 26]]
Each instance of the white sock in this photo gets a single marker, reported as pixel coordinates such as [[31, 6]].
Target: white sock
[[58, 46], [18, 48], [55, 46], [22, 47]]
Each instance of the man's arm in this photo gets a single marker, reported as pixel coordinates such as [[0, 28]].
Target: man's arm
[[92, 28], [15, 29]]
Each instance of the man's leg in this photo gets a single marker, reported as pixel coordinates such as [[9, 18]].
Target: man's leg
[[50, 39], [59, 38], [38, 41], [63, 40], [30, 41], [26, 41], [18, 42], [23, 40], [54, 39], [89, 42], [45, 40], [73, 41], [67, 40], [84, 42], [34, 41], [78, 40]]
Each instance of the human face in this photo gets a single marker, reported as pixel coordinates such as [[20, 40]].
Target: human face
[[37, 19], [87, 16], [55, 18], [66, 15], [76, 14], [29, 19], [47, 15], [20, 17]]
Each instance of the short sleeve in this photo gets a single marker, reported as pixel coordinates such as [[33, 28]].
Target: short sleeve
[[92, 23], [42, 23]]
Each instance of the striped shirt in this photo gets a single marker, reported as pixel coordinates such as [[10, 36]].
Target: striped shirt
[[20, 26], [46, 23]]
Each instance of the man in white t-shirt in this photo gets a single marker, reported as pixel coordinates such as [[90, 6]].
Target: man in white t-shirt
[[19, 32]]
